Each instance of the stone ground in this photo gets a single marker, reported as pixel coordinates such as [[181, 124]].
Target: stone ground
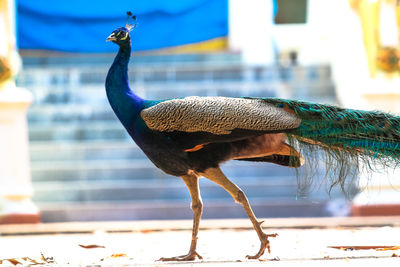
[[301, 242]]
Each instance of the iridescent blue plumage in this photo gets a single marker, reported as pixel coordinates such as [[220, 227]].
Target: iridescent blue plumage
[[125, 103]]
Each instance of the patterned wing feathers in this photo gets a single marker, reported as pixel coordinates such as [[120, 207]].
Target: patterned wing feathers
[[217, 115]]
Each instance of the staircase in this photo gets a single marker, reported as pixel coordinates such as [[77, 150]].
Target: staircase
[[85, 166]]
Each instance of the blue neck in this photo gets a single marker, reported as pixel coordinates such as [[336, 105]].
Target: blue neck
[[125, 103]]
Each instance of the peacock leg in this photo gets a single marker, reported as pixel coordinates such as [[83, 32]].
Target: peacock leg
[[192, 183], [217, 176]]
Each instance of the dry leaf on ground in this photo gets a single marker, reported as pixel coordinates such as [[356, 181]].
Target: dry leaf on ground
[[91, 246]]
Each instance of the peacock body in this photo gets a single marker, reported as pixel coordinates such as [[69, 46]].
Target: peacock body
[[190, 137]]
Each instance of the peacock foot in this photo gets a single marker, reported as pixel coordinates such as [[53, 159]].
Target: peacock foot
[[264, 245], [191, 256]]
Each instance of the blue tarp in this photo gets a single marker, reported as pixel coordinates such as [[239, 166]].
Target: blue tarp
[[83, 25]]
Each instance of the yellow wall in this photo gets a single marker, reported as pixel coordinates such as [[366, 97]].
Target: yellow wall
[[6, 43], [383, 56]]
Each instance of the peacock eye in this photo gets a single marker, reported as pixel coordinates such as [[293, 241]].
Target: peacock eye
[[123, 35]]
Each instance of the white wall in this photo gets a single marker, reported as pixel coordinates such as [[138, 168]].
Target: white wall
[[250, 30]]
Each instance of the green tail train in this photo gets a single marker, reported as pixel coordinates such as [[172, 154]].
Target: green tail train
[[347, 136]]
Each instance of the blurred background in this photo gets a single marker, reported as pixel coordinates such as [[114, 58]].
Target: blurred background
[[81, 165]]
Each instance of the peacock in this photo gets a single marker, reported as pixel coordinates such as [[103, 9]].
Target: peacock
[[190, 137]]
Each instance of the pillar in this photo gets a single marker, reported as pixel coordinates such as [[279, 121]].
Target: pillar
[[16, 189], [362, 30]]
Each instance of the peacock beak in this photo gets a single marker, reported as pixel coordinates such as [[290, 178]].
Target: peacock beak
[[111, 37]]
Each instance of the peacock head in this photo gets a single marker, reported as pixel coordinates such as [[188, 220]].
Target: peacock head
[[120, 36]]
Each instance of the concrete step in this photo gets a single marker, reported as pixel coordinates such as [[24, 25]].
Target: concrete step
[[72, 85], [170, 188], [94, 170], [69, 113], [174, 73], [135, 169], [92, 99], [81, 151], [46, 60], [156, 73], [94, 95], [168, 210], [57, 132]]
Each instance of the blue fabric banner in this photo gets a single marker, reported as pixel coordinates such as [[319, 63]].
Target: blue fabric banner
[[83, 25]]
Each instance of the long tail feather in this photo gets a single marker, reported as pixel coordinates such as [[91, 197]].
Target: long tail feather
[[347, 136]]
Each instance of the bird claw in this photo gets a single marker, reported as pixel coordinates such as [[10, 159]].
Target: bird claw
[[265, 244], [191, 256]]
